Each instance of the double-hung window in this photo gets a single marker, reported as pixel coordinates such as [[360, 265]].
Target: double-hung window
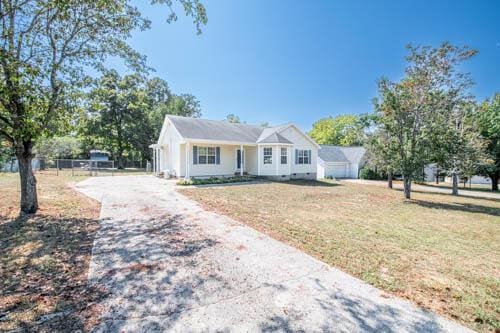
[[302, 156], [268, 155], [206, 155], [284, 155]]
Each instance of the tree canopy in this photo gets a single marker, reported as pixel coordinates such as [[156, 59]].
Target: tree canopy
[[343, 130], [124, 114]]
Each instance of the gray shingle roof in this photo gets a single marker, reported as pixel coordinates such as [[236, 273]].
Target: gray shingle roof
[[332, 154], [275, 138], [266, 132], [341, 154], [203, 129]]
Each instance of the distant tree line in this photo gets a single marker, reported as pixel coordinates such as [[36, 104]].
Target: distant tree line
[[121, 115]]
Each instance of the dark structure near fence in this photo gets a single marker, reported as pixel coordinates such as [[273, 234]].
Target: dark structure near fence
[[99, 155]]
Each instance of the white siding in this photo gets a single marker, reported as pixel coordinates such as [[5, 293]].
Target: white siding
[[169, 141], [301, 142], [226, 167], [251, 160]]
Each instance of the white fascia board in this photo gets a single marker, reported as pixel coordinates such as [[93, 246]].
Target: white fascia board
[[220, 142]]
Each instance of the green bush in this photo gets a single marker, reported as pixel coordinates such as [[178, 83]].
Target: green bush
[[214, 180], [367, 173]]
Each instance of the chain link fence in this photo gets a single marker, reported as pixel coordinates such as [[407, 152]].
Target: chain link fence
[[82, 167]]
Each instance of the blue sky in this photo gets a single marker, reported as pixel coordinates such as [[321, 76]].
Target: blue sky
[[280, 61]]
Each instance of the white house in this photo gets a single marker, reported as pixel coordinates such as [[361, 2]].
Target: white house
[[192, 147], [340, 162], [431, 170]]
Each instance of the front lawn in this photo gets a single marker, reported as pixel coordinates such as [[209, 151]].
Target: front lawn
[[439, 251], [45, 258]]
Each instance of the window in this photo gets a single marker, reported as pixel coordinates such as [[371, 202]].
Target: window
[[283, 155], [268, 155], [302, 156], [206, 155]]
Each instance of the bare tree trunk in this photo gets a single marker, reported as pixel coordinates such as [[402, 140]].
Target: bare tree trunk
[[389, 179], [407, 186], [437, 175], [454, 190], [29, 199]]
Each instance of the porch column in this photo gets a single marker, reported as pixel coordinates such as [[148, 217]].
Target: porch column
[[278, 155], [187, 161], [258, 161], [289, 160], [154, 160], [241, 160], [158, 161]]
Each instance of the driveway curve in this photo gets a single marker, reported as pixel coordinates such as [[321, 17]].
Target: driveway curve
[[168, 265]]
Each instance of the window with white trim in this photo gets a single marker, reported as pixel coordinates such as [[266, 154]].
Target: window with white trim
[[303, 156], [284, 155], [268, 155], [206, 155]]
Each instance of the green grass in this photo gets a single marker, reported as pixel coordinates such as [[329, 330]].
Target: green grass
[[439, 251]]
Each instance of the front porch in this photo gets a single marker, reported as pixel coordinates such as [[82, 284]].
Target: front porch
[[202, 159]]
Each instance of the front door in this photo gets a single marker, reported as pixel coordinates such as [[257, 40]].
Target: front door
[[239, 159]]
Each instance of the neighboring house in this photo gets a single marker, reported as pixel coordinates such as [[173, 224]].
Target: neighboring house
[[340, 162], [430, 171], [192, 147]]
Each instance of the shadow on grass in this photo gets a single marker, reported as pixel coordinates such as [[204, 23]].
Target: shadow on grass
[[458, 206], [44, 273], [449, 195], [314, 183], [460, 188]]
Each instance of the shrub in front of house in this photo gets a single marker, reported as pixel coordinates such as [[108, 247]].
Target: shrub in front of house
[[214, 180], [367, 173]]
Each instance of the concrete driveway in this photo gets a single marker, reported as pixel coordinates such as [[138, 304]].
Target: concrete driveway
[[171, 266]]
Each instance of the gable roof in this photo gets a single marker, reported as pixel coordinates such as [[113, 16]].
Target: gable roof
[[341, 154], [275, 138], [214, 130], [203, 129]]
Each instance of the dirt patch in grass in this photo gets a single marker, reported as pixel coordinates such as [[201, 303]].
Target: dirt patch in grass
[[439, 251], [45, 258]]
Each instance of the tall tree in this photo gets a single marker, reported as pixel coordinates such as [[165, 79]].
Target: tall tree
[[343, 130], [125, 114], [45, 46], [456, 144], [411, 110], [116, 105], [489, 126]]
